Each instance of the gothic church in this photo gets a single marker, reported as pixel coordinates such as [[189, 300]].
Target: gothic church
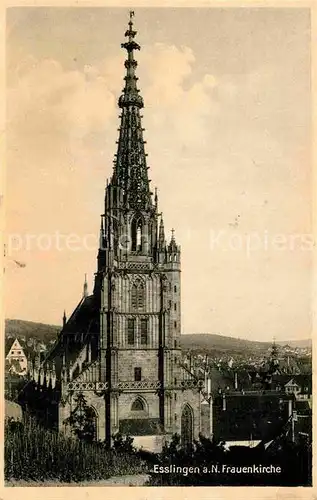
[[120, 347]]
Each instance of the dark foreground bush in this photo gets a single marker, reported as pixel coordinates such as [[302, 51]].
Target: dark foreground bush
[[33, 453], [208, 463]]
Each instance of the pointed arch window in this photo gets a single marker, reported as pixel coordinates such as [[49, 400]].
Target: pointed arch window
[[134, 296], [144, 331], [138, 405], [140, 296], [187, 425], [137, 296], [136, 234], [131, 331]]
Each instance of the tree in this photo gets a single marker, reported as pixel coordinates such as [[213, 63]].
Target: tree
[[82, 420]]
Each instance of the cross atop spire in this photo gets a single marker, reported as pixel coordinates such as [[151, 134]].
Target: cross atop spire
[[130, 92], [172, 245], [130, 32]]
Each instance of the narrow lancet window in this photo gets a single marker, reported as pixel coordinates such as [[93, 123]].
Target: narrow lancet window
[[144, 331], [136, 234], [131, 331], [137, 296]]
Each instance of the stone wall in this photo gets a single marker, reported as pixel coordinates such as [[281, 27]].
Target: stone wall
[[147, 360]]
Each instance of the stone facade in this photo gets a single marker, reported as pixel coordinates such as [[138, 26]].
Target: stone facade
[[121, 345]]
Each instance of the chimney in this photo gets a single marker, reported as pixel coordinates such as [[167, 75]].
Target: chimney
[[209, 387]]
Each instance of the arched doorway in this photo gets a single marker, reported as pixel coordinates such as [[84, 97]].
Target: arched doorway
[[187, 426]]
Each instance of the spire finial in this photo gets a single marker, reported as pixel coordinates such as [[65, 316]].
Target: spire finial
[[130, 168], [85, 293], [130, 96], [64, 318], [172, 246], [130, 33]]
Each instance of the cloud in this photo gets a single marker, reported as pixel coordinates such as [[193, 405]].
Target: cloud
[[218, 145], [173, 91], [45, 97], [48, 104]]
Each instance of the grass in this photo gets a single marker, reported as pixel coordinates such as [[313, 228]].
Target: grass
[[33, 453]]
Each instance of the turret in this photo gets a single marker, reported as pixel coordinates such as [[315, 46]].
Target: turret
[[173, 250]]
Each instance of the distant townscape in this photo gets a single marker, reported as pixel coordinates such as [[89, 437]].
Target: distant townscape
[[252, 393], [237, 369]]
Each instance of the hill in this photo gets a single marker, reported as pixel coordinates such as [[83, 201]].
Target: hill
[[26, 330], [209, 341], [304, 343]]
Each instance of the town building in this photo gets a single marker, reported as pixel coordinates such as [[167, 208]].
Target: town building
[[16, 360]]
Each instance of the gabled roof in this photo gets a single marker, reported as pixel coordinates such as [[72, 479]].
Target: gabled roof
[[84, 320], [16, 344], [85, 317], [291, 383]]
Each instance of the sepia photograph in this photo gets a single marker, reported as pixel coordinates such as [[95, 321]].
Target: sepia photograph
[[159, 247]]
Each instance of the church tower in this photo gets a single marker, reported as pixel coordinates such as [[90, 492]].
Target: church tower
[[138, 279], [120, 347]]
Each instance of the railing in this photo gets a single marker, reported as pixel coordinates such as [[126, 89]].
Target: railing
[[101, 386], [190, 384], [87, 386], [142, 384], [127, 384]]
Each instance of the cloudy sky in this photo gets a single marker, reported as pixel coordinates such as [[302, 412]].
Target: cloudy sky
[[227, 119]]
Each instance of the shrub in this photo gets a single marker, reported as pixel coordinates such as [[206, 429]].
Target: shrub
[[81, 420], [208, 455], [33, 453], [123, 444]]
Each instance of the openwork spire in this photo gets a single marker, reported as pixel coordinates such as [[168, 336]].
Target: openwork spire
[[130, 171]]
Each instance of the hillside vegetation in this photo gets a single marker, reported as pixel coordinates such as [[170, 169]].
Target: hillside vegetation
[[198, 341], [211, 342], [30, 329]]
